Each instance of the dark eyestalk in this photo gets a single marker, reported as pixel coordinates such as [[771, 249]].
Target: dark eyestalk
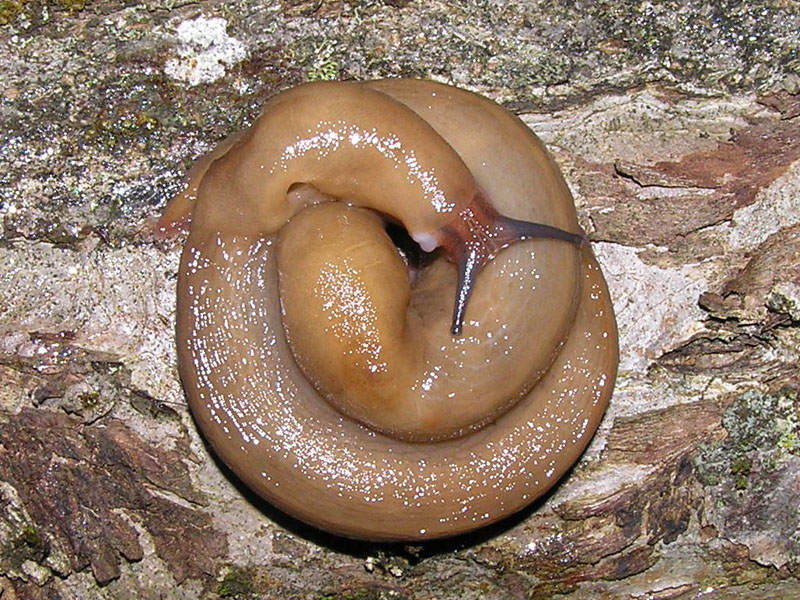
[[477, 235]]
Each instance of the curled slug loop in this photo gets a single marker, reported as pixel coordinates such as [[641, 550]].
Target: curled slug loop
[[330, 371]]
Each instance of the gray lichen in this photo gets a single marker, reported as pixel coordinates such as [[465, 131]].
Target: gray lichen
[[762, 429], [749, 477]]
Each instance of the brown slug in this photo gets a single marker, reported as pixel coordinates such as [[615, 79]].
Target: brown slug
[[331, 372]]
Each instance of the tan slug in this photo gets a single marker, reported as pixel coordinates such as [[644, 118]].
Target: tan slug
[[331, 372]]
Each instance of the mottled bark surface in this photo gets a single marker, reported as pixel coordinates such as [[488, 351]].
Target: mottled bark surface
[[677, 126]]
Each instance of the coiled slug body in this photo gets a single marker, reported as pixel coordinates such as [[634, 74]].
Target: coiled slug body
[[322, 367]]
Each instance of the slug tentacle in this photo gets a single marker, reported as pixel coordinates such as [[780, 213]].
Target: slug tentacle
[[476, 235], [320, 364]]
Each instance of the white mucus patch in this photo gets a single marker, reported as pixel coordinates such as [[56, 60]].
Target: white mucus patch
[[205, 50], [426, 241]]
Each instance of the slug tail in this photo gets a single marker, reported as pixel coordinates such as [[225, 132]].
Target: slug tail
[[477, 235], [176, 217]]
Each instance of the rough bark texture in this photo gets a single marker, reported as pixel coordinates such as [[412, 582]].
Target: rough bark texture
[[677, 126]]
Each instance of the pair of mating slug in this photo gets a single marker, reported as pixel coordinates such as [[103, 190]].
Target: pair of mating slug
[[330, 372]]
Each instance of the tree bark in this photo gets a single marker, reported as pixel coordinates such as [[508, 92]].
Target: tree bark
[[676, 126]]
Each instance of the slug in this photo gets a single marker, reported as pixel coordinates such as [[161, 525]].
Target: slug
[[367, 392]]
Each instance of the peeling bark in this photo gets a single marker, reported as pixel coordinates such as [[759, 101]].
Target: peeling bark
[[89, 489]]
